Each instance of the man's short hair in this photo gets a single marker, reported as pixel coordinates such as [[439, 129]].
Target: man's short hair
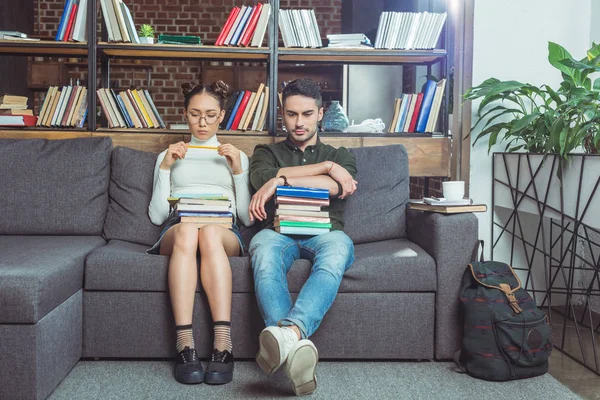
[[303, 87]]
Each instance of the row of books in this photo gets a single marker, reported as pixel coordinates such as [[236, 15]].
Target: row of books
[[299, 28], [129, 109], [14, 111], [64, 107], [245, 26], [418, 112], [409, 30], [247, 110], [119, 22], [299, 211], [203, 209], [73, 22]]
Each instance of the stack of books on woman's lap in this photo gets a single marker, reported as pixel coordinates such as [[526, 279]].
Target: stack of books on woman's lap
[[299, 211], [202, 210]]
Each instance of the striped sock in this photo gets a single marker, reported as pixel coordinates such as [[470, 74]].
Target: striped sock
[[222, 340], [185, 338]]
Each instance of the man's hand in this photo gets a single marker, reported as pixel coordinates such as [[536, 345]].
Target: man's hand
[[260, 198], [339, 174]]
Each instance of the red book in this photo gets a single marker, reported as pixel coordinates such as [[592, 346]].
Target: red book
[[63, 122], [413, 121], [11, 120], [71, 21], [251, 27], [241, 109], [227, 26]]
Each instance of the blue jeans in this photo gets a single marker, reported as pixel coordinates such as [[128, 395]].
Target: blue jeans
[[273, 254]]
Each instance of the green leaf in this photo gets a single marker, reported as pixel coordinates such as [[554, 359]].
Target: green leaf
[[521, 123], [597, 84], [557, 53]]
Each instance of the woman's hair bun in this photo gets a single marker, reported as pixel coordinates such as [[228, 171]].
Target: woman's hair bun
[[221, 89], [187, 87]]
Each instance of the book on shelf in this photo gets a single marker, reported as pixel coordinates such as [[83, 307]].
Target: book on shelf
[[12, 111], [409, 30], [445, 209], [15, 34], [245, 26], [418, 112], [299, 28], [349, 40], [252, 109], [129, 109], [63, 108], [246, 110], [179, 39], [18, 120], [118, 21], [73, 22]]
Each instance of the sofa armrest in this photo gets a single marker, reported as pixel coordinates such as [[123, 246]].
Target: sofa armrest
[[451, 240]]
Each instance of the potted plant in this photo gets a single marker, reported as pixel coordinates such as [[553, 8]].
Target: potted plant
[[146, 34], [543, 119]]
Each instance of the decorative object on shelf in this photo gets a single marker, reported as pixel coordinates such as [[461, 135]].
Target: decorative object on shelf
[[335, 118], [544, 120], [367, 126], [146, 34]]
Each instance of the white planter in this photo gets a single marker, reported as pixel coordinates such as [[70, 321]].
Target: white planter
[[146, 40]]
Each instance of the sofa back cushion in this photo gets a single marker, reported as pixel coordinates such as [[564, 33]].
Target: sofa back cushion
[[131, 181], [54, 187], [377, 210]]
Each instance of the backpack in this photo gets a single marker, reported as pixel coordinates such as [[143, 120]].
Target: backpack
[[506, 336]]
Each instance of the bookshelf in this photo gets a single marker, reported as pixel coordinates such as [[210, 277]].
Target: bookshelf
[[274, 60]]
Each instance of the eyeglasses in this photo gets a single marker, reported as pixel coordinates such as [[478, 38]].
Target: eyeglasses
[[209, 119]]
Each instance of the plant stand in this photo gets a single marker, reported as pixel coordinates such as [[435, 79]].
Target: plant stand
[[551, 229]]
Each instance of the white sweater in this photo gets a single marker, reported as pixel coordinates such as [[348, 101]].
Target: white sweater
[[202, 171]]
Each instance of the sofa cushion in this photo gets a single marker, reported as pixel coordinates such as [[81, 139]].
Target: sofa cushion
[[38, 273], [130, 191], [54, 187], [377, 210], [387, 266]]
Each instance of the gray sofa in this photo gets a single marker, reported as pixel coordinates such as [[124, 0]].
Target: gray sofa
[[75, 280]]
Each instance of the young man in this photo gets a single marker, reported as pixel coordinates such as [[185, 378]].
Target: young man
[[300, 160]]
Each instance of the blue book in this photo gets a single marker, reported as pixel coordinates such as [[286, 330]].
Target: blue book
[[64, 20], [235, 109], [425, 106], [83, 119], [123, 109], [238, 32], [297, 191], [403, 113]]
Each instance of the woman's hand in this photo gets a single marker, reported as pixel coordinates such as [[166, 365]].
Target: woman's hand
[[233, 156], [175, 152]]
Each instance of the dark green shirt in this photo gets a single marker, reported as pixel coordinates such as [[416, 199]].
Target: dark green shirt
[[268, 159]]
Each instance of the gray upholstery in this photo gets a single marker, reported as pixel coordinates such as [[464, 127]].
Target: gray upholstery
[[386, 266], [54, 187], [37, 273], [140, 325], [36, 357], [451, 240], [376, 211], [131, 181]]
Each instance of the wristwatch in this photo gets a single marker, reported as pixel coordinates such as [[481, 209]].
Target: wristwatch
[[285, 181]]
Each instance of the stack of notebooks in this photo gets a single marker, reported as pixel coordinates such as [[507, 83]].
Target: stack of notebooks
[[14, 112], [409, 30], [418, 112], [201, 210], [119, 22], [16, 35], [444, 206], [245, 26], [73, 22], [299, 211], [129, 109], [299, 28], [349, 40], [64, 107], [247, 110]]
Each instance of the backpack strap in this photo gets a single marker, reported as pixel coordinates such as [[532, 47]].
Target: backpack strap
[[481, 256], [505, 288]]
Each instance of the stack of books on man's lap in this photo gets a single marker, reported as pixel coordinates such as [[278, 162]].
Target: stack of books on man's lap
[[445, 206], [299, 211], [202, 210]]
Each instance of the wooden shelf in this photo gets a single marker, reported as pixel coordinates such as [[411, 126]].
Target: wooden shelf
[[43, 48], [176, 131], [174, 51], [367, 56]]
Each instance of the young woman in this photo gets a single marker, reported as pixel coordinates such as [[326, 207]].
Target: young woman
[[185, 169]]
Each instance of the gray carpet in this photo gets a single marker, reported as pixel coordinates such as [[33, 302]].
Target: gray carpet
[[336, 380]]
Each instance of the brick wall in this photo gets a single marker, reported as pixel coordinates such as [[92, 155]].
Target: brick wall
[[185, 17], [417, 187]]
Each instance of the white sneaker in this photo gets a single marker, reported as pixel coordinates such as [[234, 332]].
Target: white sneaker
[[275, 344], [301, 366]]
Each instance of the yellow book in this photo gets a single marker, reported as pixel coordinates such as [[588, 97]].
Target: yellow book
[[52, 110], [392, 126], [148, 108], [140, 105], [253, 106], [47, 104], [130, 110], [263, 112]]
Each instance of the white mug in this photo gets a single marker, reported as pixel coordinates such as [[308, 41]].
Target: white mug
[[453, 190]]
